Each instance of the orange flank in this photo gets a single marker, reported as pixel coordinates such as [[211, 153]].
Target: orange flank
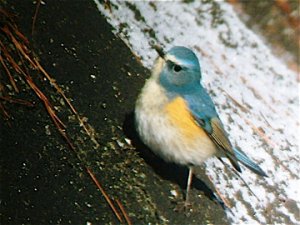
[[179, 115]]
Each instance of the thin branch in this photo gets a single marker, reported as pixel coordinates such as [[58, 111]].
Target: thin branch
[[128, 221], [11, 79], [17, 101], [110, 203], [35, 15]]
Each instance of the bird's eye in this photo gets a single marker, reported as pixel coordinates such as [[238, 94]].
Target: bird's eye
[[177, 68]]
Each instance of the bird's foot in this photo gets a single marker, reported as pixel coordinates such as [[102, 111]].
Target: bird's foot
[[186, 207]]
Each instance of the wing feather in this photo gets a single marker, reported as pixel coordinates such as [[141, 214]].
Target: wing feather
[[219, 137], [203, 110]]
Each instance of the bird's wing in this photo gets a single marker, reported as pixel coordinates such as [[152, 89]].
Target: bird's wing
[[205, 115], [219, 137]]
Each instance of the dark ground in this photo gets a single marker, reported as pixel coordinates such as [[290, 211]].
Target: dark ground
[[42, 180]]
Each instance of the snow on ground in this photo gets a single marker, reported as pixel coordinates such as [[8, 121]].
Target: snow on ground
[[256, 96]]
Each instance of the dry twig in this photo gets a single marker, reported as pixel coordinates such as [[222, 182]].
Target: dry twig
[[128, 221], [110, 203], [35, 15]]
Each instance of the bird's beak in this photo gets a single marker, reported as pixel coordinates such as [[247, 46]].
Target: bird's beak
[[160, 51]]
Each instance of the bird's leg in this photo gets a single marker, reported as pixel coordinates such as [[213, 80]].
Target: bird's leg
[[186, 206], [188, 187]]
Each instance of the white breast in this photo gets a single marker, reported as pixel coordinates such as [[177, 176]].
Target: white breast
[[160, 135]]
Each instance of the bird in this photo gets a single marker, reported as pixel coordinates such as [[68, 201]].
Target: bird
[[177, 119]]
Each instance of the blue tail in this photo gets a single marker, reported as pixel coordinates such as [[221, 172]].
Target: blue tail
[[241, 156]]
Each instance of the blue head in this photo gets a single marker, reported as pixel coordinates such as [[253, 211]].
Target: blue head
[[180, 70]]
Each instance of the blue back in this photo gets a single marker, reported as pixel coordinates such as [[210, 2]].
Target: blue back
[[202, 107]]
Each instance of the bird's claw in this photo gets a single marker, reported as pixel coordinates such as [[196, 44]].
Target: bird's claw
[[186, 207]]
